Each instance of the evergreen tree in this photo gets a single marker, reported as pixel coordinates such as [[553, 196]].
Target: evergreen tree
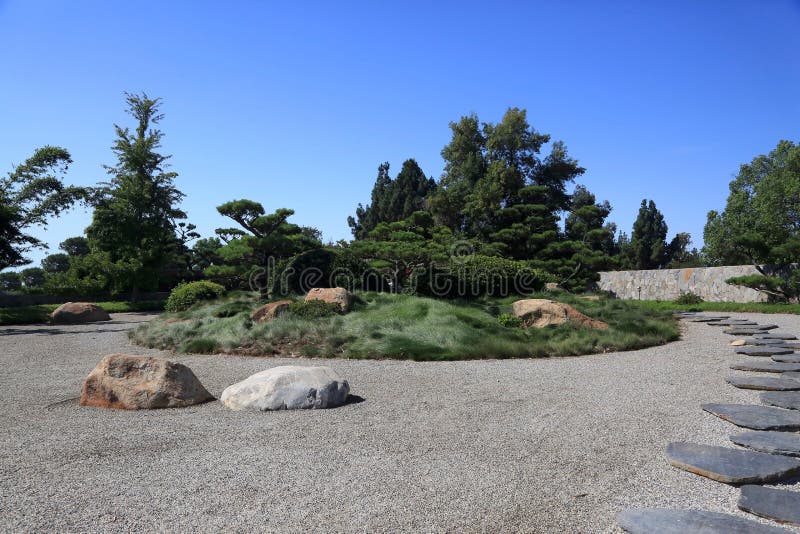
[[30, 194], [55, 263], [648, 245], [75, 246], [392, 200], [136, 215]]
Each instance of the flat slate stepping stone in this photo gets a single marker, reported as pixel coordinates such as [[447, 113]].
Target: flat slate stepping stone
[[775, 336], [767, 367], [783, 399], [650, 520], [759, 341], [732, 322], [756, 417], [766, 350], [791, 358], [786, 443], [776, 504], [764, 383], [731, 466], [742, 331]]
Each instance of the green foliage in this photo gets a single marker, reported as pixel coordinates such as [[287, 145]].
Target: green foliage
[[737, 307], [407, 327], [10, 281], [55, 264], [648, 245], [313, 309], [186, 295], [689, 298], [32, 277], [392, 200], [200, 345], [230, 309], [479, 275], [29, 195], [75, 246], [136, 216], [776, 287], [761, 220], [250, 254], [509, 320]]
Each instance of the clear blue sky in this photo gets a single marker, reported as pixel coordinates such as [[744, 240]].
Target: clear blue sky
[[296, 104]]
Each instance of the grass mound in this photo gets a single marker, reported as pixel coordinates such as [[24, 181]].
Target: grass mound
[[404, 327]]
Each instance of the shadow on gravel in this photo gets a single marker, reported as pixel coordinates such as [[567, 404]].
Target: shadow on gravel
[[353, 399], [54, 330]]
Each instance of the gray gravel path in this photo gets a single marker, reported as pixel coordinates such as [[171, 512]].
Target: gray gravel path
[[550, 445]]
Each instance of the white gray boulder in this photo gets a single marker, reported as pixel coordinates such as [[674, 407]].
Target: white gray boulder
[[288, 387]]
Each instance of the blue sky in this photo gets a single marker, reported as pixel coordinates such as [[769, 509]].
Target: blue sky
[[296, 104]]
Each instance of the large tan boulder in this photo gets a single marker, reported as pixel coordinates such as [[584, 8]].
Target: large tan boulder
[[270, 311], [78, 312], [336, 295], [141, 383], [538, 313]]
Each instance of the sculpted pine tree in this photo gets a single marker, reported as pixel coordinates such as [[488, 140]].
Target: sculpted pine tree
[[133, 228], [29, 195]]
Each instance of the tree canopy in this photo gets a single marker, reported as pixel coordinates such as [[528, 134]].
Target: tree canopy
[[29, 195]]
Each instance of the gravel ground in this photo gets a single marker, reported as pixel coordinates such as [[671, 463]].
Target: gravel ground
[[548, 445]]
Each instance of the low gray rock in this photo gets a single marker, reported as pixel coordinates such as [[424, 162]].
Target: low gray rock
[[764, 383], [78, 312], [653, 520], [786, 443], [705, 319], [787, 358], [775, 335], [770, 350], [756, 417], [783, 399], [776, 504], [760, 366], [760, 341], [288, 387], [741, 331], [731, 466], [732, 322]]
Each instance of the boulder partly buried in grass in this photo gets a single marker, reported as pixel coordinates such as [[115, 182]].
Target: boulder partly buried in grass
[[270, 311], [288, 387], [128, 382], [333, 295], [538, 313], [79, 312]]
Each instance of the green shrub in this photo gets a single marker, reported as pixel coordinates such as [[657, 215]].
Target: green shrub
[[229, 309], [480, 276], [509, 321], [689, 298], [313, 309], [184, 296], [200, 345]]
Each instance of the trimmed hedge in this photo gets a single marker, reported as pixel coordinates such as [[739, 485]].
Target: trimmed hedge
[[186, 295]]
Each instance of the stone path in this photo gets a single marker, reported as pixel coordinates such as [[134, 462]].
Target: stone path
[[771, 451], [787, 443], [777, 504]]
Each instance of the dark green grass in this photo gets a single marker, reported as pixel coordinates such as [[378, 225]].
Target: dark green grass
[[741, 307], [405, 327], [40, 313]]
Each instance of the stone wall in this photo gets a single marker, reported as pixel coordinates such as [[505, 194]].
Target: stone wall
[[669, 284]]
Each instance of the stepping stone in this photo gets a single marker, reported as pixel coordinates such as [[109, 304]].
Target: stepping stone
[[775, 336], [759, 341], [767, 326], [650, 520], [756, 417], [731, 322], [788, 345], [783, 399], [742, 331], [776, 504], [767, 367], [731, 466], [764, 383], [786, 443], [702, 319], [766, 350], [737, 343], [791, 358]]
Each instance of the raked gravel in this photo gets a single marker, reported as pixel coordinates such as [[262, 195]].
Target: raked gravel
[[541, 445]]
